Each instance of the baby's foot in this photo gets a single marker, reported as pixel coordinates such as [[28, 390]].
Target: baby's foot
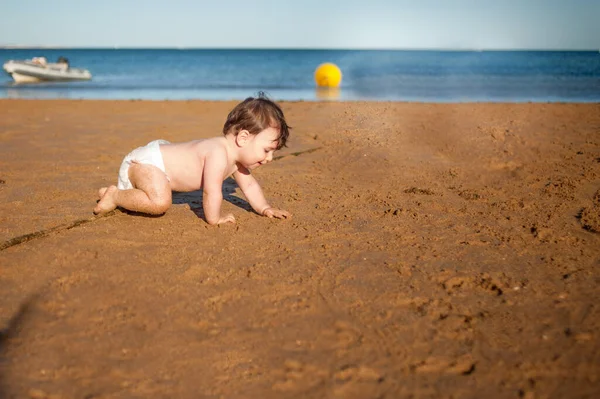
[[107, 202], [101, 192]]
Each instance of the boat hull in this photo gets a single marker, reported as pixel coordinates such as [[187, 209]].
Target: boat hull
[[18, 78], [29, 72]]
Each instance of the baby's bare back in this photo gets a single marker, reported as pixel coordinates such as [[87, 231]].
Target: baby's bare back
[[184, 162]]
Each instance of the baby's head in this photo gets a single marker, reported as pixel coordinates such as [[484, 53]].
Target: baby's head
[[256, 114]]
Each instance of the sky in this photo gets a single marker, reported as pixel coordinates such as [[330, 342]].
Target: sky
[[335, 24]]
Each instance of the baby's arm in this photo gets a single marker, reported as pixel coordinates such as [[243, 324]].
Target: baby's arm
[[212, 194], [255, 196]]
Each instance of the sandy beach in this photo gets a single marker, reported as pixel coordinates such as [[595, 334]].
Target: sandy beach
[[435, 251]]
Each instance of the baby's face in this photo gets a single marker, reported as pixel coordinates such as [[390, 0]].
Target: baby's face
[[260, 148]]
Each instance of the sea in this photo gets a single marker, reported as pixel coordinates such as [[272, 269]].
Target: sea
[[372, 75]]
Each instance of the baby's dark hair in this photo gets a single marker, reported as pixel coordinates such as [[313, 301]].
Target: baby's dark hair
[[256, 114]]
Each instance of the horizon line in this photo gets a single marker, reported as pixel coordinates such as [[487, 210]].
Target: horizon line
[[474, 49]]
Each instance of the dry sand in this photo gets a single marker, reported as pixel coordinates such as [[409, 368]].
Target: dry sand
[[447, 250]]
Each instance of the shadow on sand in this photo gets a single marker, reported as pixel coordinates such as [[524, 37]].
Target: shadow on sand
[[194, 198], [7, 333]]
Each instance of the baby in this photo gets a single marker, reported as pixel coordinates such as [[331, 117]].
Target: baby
[[254, 129]]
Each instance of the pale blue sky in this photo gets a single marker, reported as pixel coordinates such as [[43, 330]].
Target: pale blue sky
[[464, 24]]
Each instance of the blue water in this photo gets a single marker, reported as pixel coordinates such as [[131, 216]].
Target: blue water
[[422, 76]]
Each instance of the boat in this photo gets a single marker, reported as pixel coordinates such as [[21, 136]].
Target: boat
[[38, 69]]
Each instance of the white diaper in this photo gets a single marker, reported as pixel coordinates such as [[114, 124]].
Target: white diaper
[[149, 154]]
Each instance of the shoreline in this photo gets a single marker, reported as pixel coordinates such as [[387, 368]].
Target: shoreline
[[105, 100]]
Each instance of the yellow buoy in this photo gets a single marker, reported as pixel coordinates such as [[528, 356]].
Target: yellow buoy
[[328, 75]]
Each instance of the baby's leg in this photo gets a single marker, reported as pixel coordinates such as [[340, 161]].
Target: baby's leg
[[152, 192]]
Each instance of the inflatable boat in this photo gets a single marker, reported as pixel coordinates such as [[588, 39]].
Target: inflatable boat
[[39, 70]]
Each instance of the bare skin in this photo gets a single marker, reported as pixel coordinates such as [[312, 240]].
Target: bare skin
[[194, 165]]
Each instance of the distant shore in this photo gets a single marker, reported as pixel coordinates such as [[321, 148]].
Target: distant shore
[[117, 47]]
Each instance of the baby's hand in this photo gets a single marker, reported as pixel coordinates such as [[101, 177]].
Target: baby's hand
[[226, 219], [276, 213]]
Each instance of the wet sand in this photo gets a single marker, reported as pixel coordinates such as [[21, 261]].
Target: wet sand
[[435, 250]]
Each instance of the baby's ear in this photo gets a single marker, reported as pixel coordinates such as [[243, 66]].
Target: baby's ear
[[242, 137]]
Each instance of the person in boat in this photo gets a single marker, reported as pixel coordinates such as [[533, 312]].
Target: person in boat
[[40, 61], [63, 63]]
